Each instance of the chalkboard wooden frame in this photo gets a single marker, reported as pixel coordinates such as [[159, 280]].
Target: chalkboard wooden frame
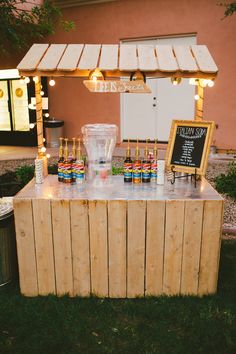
[[200, 170]]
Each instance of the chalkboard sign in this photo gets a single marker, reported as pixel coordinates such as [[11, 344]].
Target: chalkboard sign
[[189, 146]]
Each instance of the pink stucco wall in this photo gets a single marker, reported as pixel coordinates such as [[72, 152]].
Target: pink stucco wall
[[111, 22]]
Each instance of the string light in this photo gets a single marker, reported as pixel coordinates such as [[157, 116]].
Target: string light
[[31, 106], [43, 149], [48, 156], [27, 80], [193, 81], [210, 83], [46, 115], [44, 140], [31, 125], [196, 97], [36, 79], [52, 82], [42, 93], [22, 80], [176, 80]]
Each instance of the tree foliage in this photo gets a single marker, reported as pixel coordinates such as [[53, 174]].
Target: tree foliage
[[229, 8], [20, 26]]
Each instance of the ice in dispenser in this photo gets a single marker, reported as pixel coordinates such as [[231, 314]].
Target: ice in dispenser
[[99, 141]]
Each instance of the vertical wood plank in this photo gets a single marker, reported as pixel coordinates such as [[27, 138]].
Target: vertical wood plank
[[98, 247], [80, 247], [62, 246], [109, 57], [117, 248], [173, 246], [165, 58], [155, 231], [33, 57], [191, 246], [204, 59], [52, 57], [44, 246], [146, 58], [184, 58], [26, 247], [210, 247], [71, 57], [128, 57], [89, 57], [136, 248]]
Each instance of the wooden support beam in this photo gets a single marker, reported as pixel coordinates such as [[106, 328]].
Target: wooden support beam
[[199, 102]]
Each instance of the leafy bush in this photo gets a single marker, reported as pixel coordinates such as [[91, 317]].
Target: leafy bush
[[24, 174], [227, 183]]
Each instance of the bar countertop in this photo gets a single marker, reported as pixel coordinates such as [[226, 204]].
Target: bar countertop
[[118, 190]]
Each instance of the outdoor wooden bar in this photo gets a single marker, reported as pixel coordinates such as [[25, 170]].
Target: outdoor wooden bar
[[120, 240]]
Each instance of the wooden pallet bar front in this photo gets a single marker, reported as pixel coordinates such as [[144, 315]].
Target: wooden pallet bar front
[[117, 248]]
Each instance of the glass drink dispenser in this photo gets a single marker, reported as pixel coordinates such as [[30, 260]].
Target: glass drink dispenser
[[99, 141]]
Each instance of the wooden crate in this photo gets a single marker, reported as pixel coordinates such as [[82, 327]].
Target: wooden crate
[[118, 248]]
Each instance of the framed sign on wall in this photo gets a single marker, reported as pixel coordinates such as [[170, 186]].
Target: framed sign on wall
[[189, 146]]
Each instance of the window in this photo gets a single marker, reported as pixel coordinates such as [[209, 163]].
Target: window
[[14, 111]]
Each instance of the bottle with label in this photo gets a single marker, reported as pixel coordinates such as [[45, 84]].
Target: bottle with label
[[154, 164], [60, 164], [137, 166], [73, 159], [67, 175], [146, 166], [128, 168], [79, 166]]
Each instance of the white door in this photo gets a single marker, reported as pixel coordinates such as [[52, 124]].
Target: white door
[[150, 115]]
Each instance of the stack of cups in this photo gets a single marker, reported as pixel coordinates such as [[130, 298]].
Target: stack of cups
[[38, 170], [160, 171]]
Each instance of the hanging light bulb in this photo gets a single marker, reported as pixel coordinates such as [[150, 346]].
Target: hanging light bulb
[[46, 115], [44, 140], [204, 82], [42, 93], [27, 80], [36, 79], [52, 82], [193, 81], [176, 80], [43, 149], [22, 80], [31, 106], [31, 125], [210, 83], [96, 75], [196, 97], [48, 156]]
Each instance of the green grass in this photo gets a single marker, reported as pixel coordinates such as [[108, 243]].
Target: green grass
[[152, 325]]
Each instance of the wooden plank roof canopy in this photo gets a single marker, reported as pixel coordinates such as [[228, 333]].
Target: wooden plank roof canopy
[[78, 60]]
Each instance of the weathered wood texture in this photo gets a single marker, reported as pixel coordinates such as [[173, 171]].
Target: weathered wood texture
[[113, 59], [118, 248]]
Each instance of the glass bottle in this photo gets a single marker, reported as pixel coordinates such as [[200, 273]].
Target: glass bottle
[[73, 159], [128, 168], [154, 163], [146, 165], [67, 175], [60, 164], [79, 166], [137, 166]]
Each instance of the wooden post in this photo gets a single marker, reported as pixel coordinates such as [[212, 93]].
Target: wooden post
[[199, 102], [39, 116], [39, 121]]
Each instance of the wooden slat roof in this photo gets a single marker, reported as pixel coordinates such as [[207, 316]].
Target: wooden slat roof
[[118, 60]]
